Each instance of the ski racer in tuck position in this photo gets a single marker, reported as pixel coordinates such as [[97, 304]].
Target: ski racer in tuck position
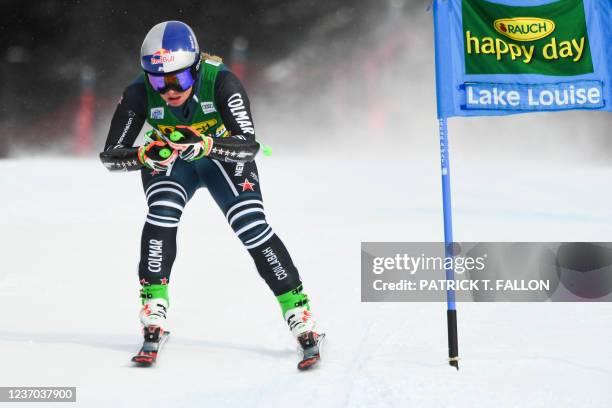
[[203, 137]]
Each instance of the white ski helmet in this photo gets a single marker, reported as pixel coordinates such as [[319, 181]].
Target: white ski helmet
[[169, 47]]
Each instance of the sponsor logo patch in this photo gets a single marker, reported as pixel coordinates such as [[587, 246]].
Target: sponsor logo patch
[[208, 107], [156, 257], [161, 56], [221, 131], [524, 28], [157, 113], [239, 169], [504, 39], [236, 104], [201, 127]]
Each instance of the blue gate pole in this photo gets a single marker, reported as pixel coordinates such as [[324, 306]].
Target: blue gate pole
[[451, 313]]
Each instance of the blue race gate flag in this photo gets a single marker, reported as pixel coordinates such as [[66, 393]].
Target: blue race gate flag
[[501, 57]]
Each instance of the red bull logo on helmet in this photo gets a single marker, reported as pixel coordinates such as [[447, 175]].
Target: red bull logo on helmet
[[162, 56]]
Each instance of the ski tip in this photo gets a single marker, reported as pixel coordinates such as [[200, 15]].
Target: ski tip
[[312, 361], [143, 361], [308, 363], [454, 363]]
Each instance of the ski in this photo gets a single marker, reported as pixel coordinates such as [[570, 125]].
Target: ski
[[311, 353], [149, 351]]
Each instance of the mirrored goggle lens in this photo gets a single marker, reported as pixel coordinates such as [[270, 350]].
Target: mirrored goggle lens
[[180, 81]]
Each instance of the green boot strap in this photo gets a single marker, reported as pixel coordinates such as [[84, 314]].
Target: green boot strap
[[292, 299], [154, 292]]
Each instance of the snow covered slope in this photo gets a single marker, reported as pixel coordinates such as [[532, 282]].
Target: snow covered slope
[[69, 290]]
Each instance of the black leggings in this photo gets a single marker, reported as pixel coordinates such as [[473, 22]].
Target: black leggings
[[236, 190]]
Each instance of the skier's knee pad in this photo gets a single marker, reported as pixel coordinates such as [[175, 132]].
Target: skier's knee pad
[[248, 220], [166, 200]]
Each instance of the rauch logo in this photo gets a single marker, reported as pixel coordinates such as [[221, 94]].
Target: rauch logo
[[524, 28]]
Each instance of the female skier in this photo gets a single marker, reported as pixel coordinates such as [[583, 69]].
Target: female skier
[[203, 137]]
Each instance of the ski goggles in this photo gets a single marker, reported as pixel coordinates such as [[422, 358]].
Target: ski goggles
[[179, 81]]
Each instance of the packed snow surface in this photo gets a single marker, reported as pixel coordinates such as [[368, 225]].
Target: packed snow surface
[[69, 289]]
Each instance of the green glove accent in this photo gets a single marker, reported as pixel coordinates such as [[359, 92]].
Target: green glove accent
[[176, 136], [267, 150], [150, 136], [165, 153], [154, 292], [292, 299]]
